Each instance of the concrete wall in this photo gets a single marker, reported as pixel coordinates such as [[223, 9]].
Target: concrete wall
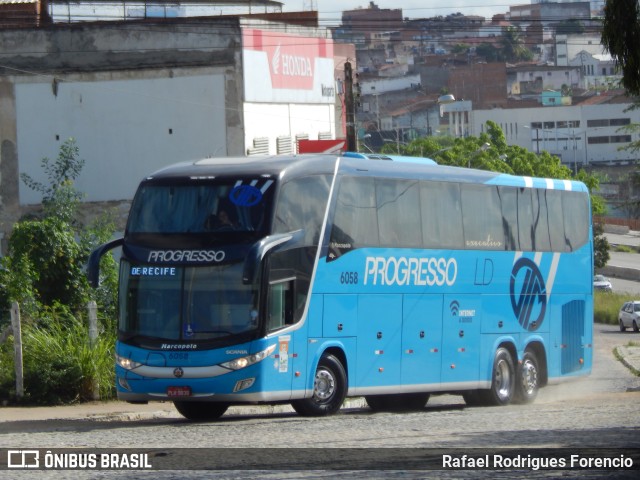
[[135, 95]]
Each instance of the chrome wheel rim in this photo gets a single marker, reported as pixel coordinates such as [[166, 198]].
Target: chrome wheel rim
[[503, 380], [324, 385], [529, 377]]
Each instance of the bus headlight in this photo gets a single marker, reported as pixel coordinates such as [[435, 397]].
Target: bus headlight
[[243, 362], [126, 363]]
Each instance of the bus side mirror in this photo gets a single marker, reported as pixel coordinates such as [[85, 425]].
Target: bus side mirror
[[261, 248], [92, 268]]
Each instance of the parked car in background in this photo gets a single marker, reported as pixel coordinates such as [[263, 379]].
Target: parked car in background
[[600, 282], [629, 316]]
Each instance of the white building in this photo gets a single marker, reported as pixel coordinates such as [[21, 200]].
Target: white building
[[586, 134]]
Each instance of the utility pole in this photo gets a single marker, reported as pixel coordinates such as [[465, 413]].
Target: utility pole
[[349, 106]]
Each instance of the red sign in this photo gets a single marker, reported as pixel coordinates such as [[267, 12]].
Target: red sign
[[321, 146], [291, 59]]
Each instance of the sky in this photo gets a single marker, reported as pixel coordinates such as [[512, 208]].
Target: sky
[[330, 11]]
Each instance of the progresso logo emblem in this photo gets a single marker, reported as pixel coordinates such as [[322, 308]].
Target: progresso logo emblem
[[528, 294], [249, 195]]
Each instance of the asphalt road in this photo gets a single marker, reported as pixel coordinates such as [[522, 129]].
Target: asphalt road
[[598, 411]]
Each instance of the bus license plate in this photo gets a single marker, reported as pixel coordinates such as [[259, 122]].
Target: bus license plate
[[179, 391]]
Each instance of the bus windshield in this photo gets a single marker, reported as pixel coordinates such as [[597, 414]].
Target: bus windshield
[[214, 207], [185, 303]]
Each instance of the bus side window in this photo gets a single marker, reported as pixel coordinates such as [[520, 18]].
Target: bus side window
[[280, 304]]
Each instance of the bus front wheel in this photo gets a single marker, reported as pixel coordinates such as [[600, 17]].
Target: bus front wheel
[[329, 389], [201, 411], [502, 380]]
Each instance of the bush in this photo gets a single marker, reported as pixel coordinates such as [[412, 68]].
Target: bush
[[60, 365]]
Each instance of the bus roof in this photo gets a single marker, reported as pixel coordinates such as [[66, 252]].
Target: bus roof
[[354, 163], [393, 158]]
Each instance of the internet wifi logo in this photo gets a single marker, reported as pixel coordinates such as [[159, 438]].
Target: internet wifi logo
[[528, 294], [455, 308]]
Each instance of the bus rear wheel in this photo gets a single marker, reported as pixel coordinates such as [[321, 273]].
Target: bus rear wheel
[[201, 411], [329, 389], [502, 381], [403, 402], [528, 379]]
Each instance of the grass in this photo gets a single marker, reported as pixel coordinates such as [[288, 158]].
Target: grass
[[606, 306], [624, 249]]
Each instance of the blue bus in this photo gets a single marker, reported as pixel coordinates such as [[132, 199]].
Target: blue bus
[[307, 279]]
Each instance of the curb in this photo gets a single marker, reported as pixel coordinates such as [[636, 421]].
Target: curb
[[629, 357]]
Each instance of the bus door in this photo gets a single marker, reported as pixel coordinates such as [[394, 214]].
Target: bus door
[[462, 315], [421, 339], [379, 340], [280, 301]]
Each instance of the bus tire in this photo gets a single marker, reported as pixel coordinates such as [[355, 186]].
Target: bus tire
[[527, 379], [201, 411], [329, 389], [472, 398], [502, 380], [402, 402]]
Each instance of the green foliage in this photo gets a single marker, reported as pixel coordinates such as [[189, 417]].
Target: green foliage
[[572, 26], [606, 306], [513, 48], [60, 363], [625, 249], [51, 245], [460, 48], [59, 197], [601, 246], [621, 37], [44, 274], [488, 52]]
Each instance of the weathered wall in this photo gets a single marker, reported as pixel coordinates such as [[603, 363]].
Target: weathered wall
[[136, 96]]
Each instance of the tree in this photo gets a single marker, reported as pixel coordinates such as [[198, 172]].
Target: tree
[[513, 48], [488, 52], [572, 26], [47, 255], [59, 197], [621, 37]]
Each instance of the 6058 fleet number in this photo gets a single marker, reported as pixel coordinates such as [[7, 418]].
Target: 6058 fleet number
[[349, 278]]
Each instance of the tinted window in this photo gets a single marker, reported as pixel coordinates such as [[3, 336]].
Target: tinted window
[[197, 208], [576, 219], [540, 221], [398, 213], [356, 220], [509, 207], [556, 221], [441, 215], [405, 213], [301, 204], [482, 218]]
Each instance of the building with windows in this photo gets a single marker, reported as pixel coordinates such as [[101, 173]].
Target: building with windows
[[588, 134]]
